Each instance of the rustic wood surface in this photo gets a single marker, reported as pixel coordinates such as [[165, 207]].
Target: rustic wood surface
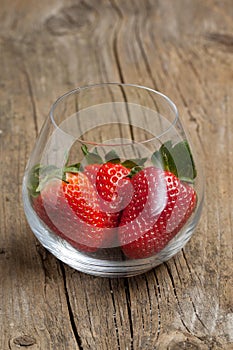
[[183, 48]]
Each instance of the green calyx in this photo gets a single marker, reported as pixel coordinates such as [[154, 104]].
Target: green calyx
[[177, 159], [40, 175], [91, 157], [111, 157]]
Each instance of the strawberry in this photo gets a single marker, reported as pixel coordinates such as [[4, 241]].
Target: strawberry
[[71, 210], [160, 206], [80, 209], [109, 179], [110, 183], [91, 171], [105, 203]]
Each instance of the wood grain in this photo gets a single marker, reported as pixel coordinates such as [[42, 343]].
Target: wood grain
[[182, 48]]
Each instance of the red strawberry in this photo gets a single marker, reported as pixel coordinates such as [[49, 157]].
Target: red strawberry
[[109, 180], [111, 184], [160, 206], [91, 171], [71, 210], [112, 188]]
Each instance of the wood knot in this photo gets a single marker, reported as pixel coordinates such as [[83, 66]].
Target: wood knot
[[4, 253], [223, 40], [24, 340], [73, 19]]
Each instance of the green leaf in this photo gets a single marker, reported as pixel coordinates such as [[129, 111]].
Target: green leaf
[[132, 163], [182, 155], [91, 157], [163, 159], [134, 171], [168, 160], [157, 159], [47, 169], [84, 150], [40, 175], [49, 173], [129, 164], [33, 180], [112, 157], [186, 179], [66, 157], [168, 144], [95, 151], [74, 168], [43, 182], [177, 159], [139, 161]]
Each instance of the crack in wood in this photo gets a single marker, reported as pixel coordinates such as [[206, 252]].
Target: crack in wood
[[198, 317], [177, 299], [116, 55], [9, 344], [102, 71], [102, 62], [114, 316], [151, 310], [144, 56], [229, 161], [148, 67], [180, 309], [89, 315], [115, 50], [191, 118], [43, 254], [158, 297], [31, 95], [70, 311], [195, 72], [117, 9], [128, 303], [120, 72], [202, 85], [189, 268], [177, 270], [186, 261]]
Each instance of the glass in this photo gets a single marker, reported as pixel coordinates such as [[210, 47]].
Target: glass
[[112, 187]]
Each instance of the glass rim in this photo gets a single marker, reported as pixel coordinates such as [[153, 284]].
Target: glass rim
[[90, 86]]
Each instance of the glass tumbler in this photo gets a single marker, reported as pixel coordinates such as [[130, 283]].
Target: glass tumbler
[[112, 187]]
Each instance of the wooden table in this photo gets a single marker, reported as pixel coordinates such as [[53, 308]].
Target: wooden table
[[182, 48]]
